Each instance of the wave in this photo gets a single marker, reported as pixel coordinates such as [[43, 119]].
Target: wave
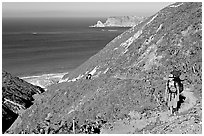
[[41, 33]]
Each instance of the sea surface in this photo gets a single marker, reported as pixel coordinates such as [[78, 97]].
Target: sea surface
[[36, 46]]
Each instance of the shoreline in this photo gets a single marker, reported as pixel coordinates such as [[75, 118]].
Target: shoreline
[[44, 80], [40, 75]]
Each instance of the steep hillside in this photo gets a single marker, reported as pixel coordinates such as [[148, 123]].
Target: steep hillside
[[16, 97], [125, 92], [120, 21]]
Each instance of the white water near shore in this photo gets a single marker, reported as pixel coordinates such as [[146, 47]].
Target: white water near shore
[[44, 80]]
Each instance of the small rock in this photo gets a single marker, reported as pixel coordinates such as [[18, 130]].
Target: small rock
[[49, 115]]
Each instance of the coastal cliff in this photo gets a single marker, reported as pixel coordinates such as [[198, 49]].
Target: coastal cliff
[[120, 21], [121, 88]]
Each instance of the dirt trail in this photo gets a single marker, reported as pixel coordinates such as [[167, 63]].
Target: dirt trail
[[188, 120]]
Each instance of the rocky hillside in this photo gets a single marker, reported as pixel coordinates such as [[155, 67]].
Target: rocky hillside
[[120, 21], [16, 97], [124, 92]]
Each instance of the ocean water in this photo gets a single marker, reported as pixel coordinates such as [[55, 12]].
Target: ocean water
[[35, 46]]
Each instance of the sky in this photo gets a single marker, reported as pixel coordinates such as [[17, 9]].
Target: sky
[[80, 9]]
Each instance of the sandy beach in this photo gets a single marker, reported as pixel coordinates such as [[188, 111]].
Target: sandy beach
[[44, 80]]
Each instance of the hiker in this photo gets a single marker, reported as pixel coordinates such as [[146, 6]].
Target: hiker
[[173, 89], [89, 76]]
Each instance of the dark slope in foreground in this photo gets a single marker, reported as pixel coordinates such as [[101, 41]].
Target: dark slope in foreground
[[16, 97], [125, 93]]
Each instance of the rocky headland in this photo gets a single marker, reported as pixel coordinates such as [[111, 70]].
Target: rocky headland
[[120, 21]]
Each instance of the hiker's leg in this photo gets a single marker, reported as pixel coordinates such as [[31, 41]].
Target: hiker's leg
[[169, 100], [172, 102], [177, 97], [166, 94], [171, 109], [175, 101]]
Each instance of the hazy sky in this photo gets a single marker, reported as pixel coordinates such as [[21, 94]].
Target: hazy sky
[[79, 9]]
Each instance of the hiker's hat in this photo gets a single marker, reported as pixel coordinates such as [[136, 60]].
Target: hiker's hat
[[171, 76]]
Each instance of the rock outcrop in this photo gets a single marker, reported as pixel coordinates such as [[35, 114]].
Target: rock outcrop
[[16, 97], [120, 21], [99, 24], [125, 88]]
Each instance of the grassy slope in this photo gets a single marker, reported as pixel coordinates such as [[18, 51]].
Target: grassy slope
[[134, 80]]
